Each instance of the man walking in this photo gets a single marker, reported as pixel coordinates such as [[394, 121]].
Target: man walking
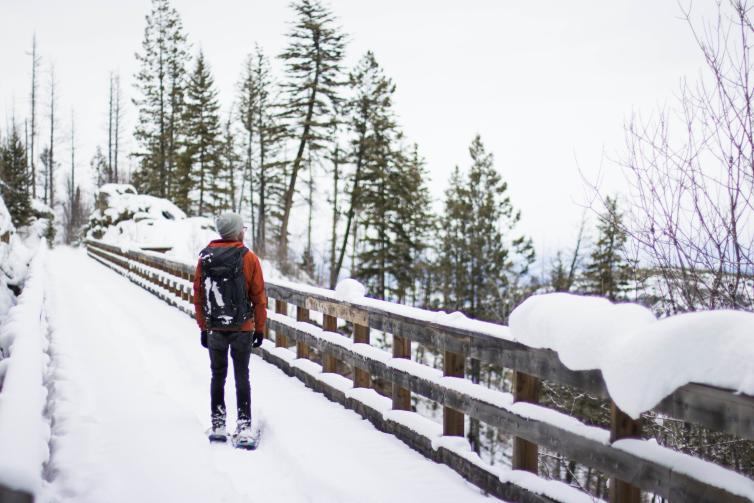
[[231, 310]]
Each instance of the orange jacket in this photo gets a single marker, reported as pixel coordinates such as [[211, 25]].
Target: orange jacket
[[255, 281]]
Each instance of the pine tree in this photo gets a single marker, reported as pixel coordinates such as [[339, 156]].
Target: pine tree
[[609, 270], [161, 84], [481, 257], [262, 142], [14, 178], [379, 158], [205, 193], [312, 58], [100, 168], [230, 163], [412, 225], [371, 91]]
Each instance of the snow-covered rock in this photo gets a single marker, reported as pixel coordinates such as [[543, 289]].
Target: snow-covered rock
[[125, 218], [642, 359]]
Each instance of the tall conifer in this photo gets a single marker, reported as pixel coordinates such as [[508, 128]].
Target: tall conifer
[[312, 58], [161, 84]]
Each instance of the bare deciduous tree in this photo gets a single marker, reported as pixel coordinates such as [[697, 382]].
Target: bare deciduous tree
[[691, 174]]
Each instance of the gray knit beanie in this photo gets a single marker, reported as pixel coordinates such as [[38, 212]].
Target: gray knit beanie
[[229, 225]]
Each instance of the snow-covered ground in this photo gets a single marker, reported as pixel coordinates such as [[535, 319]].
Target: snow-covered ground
[[129, 403]]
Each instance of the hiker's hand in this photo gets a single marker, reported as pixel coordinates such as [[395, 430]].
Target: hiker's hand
[[204, 338], [257, 339]]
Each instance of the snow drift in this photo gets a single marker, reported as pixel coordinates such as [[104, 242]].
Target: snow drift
[[642, 359], [24, 431], [125, 218]]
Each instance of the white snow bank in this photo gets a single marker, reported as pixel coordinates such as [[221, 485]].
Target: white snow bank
[[130, 220], [24, 432], [643, 360], [14, 260]]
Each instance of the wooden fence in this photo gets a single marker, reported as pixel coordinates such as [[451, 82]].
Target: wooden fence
[[632, 468]]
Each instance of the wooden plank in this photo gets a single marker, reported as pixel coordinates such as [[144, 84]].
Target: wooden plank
[[281, 307], [338, 310], [329, 362], [452, 420], [361, 378], [401, 394], [302, 350], [525, 453], [622, 426]]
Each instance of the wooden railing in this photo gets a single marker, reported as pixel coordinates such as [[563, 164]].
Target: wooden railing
[[634, 465]]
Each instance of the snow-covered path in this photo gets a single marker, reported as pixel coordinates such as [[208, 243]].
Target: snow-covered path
[[129, 400]]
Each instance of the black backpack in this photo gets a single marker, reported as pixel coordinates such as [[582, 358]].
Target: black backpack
[[226, 299]]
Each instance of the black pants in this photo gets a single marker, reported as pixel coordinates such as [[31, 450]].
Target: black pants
[[240, 351]]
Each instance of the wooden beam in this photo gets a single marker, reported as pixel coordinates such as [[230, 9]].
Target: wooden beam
[[281, 307], [452, 420], [302, 349], [401, 395], [623, 426], [361, 378], [525, 453], [329, 362]]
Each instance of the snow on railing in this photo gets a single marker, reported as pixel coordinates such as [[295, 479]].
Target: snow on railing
[[24, 429], [620, 453]]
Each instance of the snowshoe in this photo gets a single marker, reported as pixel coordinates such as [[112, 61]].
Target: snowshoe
[[246, 437], [217, 434]]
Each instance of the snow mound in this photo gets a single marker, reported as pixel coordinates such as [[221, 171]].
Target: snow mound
[[125, 218], [24, 431], [642, 360], [14, 260], [350, 289]]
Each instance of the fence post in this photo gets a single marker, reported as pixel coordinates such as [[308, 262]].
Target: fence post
[[8, 495], [302, 350], [622, 426], [525, 453], [452, 420], [401, 396], [329, 362], [361, 378], [281, 307]]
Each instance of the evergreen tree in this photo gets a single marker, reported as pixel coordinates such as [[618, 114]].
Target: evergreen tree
[[205, 193], [262, 142], [372, 91], [379, 159], [481, 256], [161, 83], [14, 178], [312, 58], [412, 225], [100, 168], [230, 163], [609, 269], [393, 200]]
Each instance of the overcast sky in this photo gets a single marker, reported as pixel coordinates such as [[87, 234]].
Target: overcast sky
[[547, 84]]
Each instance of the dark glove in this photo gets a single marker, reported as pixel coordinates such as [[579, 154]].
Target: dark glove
[[204, 338], [257, 339]]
